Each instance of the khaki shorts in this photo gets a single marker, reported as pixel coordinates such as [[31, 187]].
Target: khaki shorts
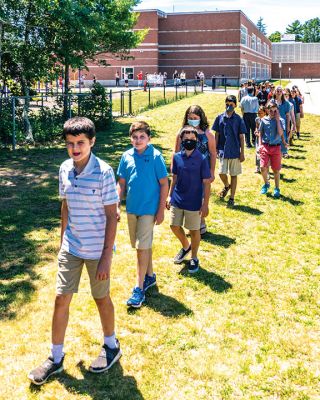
[[297, 116], [231, 166], [189, 219], [141, 231], [69, 273]]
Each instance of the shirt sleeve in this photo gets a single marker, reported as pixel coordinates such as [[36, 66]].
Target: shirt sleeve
[[261, 127], [62, 194], [109, 188], [160, 167], [121, 171], [215, 126]]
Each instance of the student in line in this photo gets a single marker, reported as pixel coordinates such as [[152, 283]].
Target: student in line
[[143, 177], [89, 201]]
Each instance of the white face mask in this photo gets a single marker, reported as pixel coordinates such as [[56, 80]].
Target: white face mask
[[194, 122]]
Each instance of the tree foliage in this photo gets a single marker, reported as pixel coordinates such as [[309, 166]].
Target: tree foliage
[[296, 28], [311, 31], [275, 36], [262, 26]]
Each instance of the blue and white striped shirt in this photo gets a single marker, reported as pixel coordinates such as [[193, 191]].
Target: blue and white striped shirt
[[86, 193]]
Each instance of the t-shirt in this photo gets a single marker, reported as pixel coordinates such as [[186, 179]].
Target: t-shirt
[[190, 171], [229, 130], [296, 101], [142, 173], [86, 193], [269, 131], [284, 108]]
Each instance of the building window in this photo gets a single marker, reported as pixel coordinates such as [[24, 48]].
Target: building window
[[244, 69], [254, 70], [254, 42], [244, 35], [259, 45], [127, 70]]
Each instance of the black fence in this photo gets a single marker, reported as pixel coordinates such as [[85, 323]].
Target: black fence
[[134, 101]]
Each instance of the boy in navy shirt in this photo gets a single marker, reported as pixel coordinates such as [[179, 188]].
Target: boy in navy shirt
[[189, 196], [143, 176], [230, 131]]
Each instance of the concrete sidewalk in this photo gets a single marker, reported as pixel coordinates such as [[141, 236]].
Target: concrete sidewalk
[[311, 92]]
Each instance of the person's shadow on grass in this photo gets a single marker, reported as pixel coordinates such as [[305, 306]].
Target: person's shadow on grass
[[164, 304], [287, 199], [297, 150], [218, 240], [109, 385], [214, 281]]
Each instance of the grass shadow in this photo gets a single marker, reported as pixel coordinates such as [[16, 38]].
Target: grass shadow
[[297, 150], [286, 199], [287, 180], [286, 166], [247, 209], [216, 282], [218, 240], [110, 385], [165, 305], [298, 157]]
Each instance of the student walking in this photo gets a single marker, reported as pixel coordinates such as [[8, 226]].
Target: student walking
[[143, 176], [89, 198], [189, 196], [249, 105], [206, 142], [230, 132], [271, 136]]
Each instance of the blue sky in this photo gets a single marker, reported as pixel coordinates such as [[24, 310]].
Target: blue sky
[[277, 14]]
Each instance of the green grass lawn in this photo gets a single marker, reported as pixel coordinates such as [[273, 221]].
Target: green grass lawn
[[245, 327]]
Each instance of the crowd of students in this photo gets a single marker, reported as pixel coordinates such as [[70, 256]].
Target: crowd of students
[[91, 199]]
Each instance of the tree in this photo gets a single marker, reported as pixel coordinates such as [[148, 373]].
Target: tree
[[82, 29], [311, 31], [275, 37], [262, 26], [297, 29], [44, 36]]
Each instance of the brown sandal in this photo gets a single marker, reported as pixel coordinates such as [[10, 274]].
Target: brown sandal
[[224, 192]]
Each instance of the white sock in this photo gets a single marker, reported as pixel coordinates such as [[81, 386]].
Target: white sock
[[110, 341], [57, 352]]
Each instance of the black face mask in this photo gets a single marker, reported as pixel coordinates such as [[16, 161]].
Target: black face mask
[[189, 144], [229, 108]]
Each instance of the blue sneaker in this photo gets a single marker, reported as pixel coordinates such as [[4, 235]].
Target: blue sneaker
[[193, 265], [276, 193], [149, 281], [137, 298], [265, 188]]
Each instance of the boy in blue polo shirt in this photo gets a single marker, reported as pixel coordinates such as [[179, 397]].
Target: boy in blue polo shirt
[[230, 131], [189, 196], [143, 176], [89, 198]]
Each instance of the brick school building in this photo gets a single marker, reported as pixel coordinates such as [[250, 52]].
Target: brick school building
[[218, 43]]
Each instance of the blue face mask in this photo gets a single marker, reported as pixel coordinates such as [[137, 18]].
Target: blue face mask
[[229, 108], [194, 122]]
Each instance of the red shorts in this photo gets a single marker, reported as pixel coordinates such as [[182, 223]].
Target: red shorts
[[270, 154]]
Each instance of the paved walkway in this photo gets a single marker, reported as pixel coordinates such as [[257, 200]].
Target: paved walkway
[[311, 92]]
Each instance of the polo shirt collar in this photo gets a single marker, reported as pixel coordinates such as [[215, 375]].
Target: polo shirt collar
[[184, 154], [147, 152], [88, 169], [225, 115]]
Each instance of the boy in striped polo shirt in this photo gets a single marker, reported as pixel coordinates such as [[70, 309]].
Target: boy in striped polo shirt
[[89, 197]]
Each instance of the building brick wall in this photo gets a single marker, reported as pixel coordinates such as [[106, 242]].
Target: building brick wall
[[298, 70]]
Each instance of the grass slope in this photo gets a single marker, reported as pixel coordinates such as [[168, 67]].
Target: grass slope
[[245, 327]]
